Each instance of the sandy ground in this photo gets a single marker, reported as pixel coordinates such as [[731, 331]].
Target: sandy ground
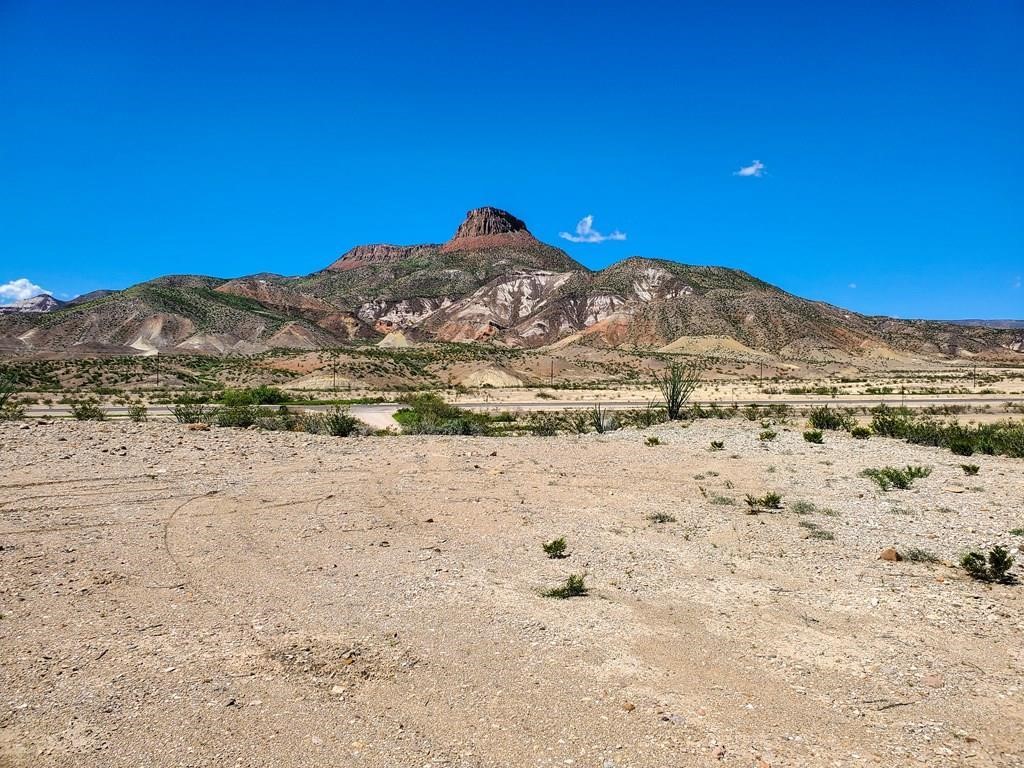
[[181, 598]]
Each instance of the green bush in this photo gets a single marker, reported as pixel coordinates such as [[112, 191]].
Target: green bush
[[661, 517], [240, 416], [555, 549], [861, 433], [652, 440], [428, 414], [770, 500], [893, 477], [970, 469], [87, 410], [995, 569], [261, 395], [717, 445], [573, 587], [826, 418], [137, 413], [337, 422], [767, 435], [1004, 438], [814, 436], [193, 413]]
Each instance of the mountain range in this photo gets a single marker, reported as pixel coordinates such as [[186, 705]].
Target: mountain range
[[493, 281]]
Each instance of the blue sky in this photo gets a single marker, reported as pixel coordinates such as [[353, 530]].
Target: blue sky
[[146, 138]]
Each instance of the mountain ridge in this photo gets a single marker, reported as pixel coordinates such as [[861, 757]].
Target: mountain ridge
[[492, 282]]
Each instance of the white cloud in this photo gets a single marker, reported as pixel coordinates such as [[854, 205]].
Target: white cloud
[[1016, 283], [19, 289], [585, 233], [852, 285], [755, 169]]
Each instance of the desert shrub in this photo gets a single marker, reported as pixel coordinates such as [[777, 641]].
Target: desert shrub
[[542, 425], [661, 517], [602, 420], [428, 414], [815, 531], [12, 411], [770, 500], [8, 388], [803, 507], [137, 413], [542, 395], [827, 418], [918, 555], [261, 395], [577, 422], [814, 436], [555, 549], [717, 445], [337, 422], [893, 477], [652, 440], [193, 413], [87, 410], [240, 416], [573, 587], [677, 384], [996, 568], [1005, 438], [767, 435], [861, 433], [642, 417], [970, 469]]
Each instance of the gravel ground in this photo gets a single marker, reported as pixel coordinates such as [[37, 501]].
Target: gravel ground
[[173, 597]]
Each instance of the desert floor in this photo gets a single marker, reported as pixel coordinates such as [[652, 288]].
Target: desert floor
[[207, 598]]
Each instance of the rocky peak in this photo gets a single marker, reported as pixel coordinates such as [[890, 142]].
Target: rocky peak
[[488, 227], [379, 253], [44, 302]]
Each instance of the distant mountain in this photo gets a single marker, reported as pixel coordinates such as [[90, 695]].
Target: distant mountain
[[493, 281], [991, 323], [44, 302]]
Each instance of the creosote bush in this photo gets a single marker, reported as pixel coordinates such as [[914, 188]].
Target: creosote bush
[[892, 477], [137, 413], [573, 587], [337, 422], [87, 410], [918, 555], [652, 440], [770, 500], [555, 549], [192, 413], [970, 469], [814, 436], [767, 435], [1004, 438], [428, 414], [861, 433], [717, 445], [827, 418], [661, 517], [996, 568]]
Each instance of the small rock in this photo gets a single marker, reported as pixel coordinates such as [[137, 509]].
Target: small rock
[[337, 690], [628, 706], [890, 554], [718, 752]]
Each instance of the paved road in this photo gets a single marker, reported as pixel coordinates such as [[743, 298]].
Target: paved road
[[380, 415]]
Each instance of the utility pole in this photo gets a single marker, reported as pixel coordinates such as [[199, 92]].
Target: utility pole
[[975, 376], [760, 375], [551, 376]]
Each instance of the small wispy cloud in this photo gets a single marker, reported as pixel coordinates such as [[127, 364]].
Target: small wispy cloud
[[852, 286], [755, 170], [16, 290], [585, 233], [1017, 283]]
